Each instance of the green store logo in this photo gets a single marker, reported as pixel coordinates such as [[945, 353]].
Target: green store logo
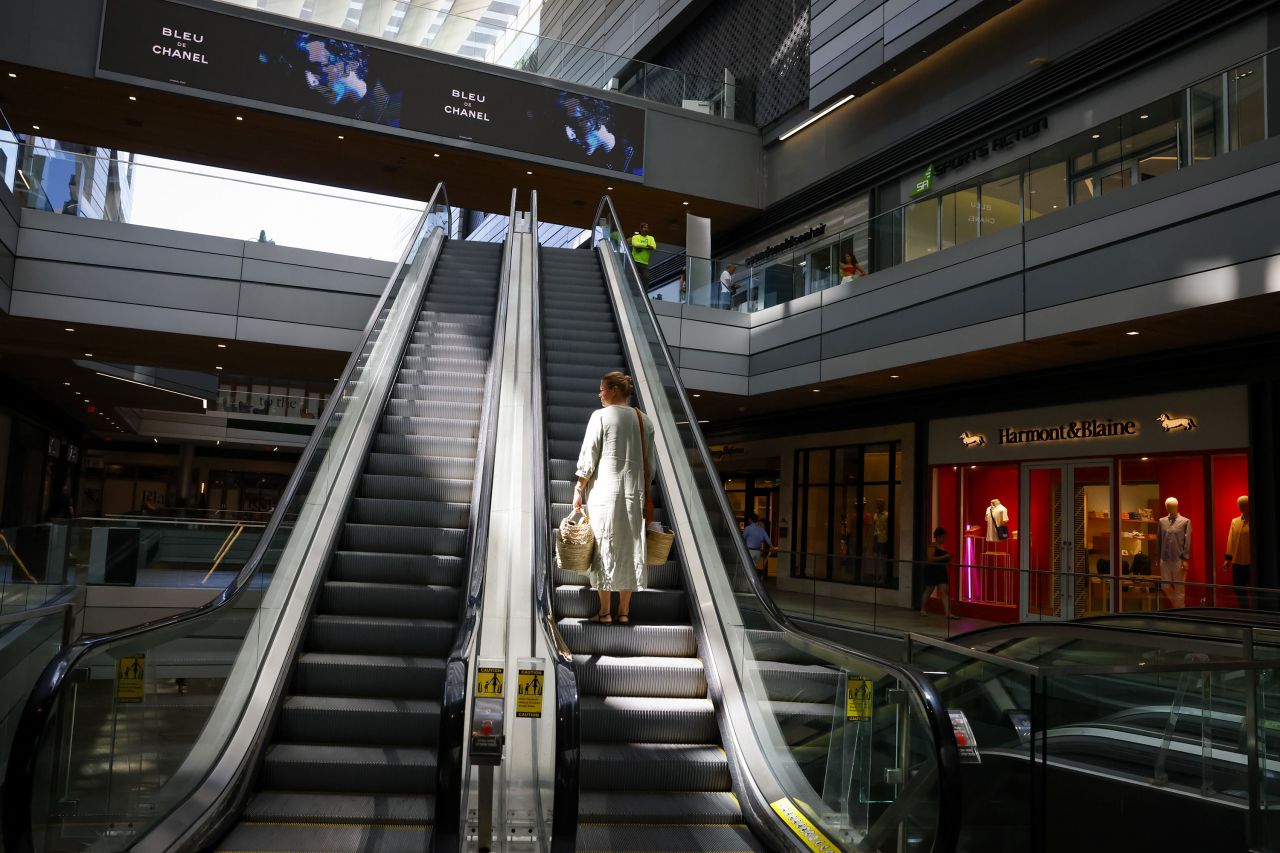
[[924, 184]]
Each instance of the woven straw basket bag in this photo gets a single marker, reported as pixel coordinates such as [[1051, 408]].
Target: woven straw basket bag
[[657, 546], [575, 543]]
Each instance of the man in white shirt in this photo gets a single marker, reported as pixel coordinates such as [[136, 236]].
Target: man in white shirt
[[728, 286]]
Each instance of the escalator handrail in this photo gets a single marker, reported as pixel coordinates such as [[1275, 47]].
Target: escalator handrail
[[939, 722], [1029, 630], [446, 835], [20, 771], [564, 816]]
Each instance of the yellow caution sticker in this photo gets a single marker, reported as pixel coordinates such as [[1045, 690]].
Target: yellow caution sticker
[[489, 682], [529, 693], [858, 699], [130, 678], [803, 827]]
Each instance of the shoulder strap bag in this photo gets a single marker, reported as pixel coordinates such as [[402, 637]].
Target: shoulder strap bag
[[644, 454]]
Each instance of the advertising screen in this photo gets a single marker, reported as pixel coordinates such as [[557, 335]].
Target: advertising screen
[[229, 55]]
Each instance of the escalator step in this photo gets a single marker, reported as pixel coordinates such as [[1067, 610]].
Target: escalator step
[[418, 601], [326, 838], [786, 682], [370, 567], [438, 427], [426, 409], [654, 767], [403, 540], [642, 807], [442, 514], [368, 769], [416, 393], [673, 678], [585, 637], [666, 576], [351, 720], [373, 809], [648, 719], [439, 378], [426, 467], [644, 838], [661, 606], [381, 635], [392, 487], [418, 445], [328, 674]]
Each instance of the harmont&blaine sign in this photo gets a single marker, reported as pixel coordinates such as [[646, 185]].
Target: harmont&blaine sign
[[1210, 419], [999, 142], [794, 240]]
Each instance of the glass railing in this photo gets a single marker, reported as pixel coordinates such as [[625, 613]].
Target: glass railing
[[271, 405], [490, 40], [64, 178], [28, 641], [1223, 113], [859, 746], [874, 594], [122, 729]]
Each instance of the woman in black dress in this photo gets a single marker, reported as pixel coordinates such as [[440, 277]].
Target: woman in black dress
[[935, 574]]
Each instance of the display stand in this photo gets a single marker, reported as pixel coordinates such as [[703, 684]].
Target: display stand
[[996, 563]]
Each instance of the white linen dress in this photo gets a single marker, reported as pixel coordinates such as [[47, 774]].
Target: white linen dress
[[612, 462]]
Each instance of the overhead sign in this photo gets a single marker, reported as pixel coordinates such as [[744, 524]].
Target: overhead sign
[[529, 693], [131, 678], [1000, 142], [858, 699], [794, 240], [228, 54], [1210, 419]]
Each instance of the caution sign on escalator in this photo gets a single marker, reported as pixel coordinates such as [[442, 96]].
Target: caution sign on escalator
[[529, 693], [130, 678], [857, 699], [489, 682]]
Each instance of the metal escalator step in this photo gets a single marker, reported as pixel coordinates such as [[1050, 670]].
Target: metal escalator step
[[428, 409], [366, 769], [372, 567], [573, 347], [641, 807], [648, 719], [414, 512], [393, 487], [426, 467], [408, 677], [661, 606], [433, 426], [415, 393], [458, 346], [606, 336], [425, 331], [444, 363], [473, 320], [356, 720], [586, 370], [654, 767], [393, 539], [380, 635], [787, 682], [666, 576], [563, 469], [420, 445], [586, 638], [560, 510], [670, 678], [325, 838], [646, 838], [417, 601], [310, 807], [442, 378], [773, 646]]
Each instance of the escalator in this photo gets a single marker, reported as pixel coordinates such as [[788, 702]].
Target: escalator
[[316, 721], [654, 774], [352, 761]]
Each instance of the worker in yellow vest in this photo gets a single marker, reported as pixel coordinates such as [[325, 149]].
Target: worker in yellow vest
[[642, 246]]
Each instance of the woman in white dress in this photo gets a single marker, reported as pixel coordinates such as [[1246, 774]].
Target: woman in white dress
[[611, 476]]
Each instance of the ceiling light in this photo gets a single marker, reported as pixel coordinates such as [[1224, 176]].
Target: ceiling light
[[35, 127], [894, 376], [68, 329], [528, 173], [435, 155], [610, 189], [66, 383], [87, 400], [1097, 136], [222, 346], [686, 204], [239, 118], [340, 136], [274, 449], [846, 99], [704, 422], [219, 367], [1144, 115], [1133, 334], [817, 390], [696, 395], [219, 443], [88, 355], [77, 393], [1145, 458], [12, 74], [133, 97]]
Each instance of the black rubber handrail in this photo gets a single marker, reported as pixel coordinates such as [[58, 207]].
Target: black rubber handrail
[[447, 834], [939, 722], [564, 815], [30, 731]]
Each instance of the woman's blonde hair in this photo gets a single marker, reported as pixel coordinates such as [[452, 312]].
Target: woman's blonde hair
[[620, 381]]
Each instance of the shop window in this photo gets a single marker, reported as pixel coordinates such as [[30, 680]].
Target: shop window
[[1246, 91], [1046, 189], [1145, 485], [1229, 473], [968, 503], [1001, 204], [920, 226], [1205, 101], [847, 502], [961, 215]]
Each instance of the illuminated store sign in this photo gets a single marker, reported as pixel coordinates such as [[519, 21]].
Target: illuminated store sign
[[229, 55], [1070, 431], [999, 142]]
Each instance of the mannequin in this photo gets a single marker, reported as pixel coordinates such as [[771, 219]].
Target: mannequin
[[1239, 557], [997, 517], [1173, 547]]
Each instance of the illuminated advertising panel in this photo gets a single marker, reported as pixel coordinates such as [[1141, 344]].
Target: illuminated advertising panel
[[229, 55]]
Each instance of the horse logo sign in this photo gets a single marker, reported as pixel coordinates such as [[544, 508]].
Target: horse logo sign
[[1172, 424], [971, 440]]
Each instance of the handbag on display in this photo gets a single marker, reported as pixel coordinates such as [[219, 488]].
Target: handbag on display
[[1002, 531], [575, 543]]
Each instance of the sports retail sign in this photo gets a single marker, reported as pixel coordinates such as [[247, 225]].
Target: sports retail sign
[[183, 47]]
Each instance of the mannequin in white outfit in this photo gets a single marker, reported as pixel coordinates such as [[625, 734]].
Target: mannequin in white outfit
[[997, 516], [1173, 545]]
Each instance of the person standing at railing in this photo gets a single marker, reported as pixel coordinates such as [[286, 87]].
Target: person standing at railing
[[728, 287], [642, 246], [849, 267], [935, 574]]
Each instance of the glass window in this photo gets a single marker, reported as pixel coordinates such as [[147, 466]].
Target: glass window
[[1206, 119], [1145, 485], [985, 566], [1246, 89], [1046, 189], [1001, 204], [961, 217], [1230, 473], [921, 229]]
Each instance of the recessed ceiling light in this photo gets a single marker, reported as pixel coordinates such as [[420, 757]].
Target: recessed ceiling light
[[219, 367], [156, 440], [218, 442], [894, 376], [528, 173], [133, 97], [610, 189], [686, 204], [77, 393], [68, 329], [1133, 334], [1144, 115], [222, 346], [435, 155], [238, 118], [35, 127], [274, 449], [12, 74], [340, 136], [1097, 136], [817, 390], [87, 400], [68, 384], [696, 395], [88, 355]]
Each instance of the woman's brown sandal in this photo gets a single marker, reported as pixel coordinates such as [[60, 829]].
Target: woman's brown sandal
[[624, 619], [602, 618]]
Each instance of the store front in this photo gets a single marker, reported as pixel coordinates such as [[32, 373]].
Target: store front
[[1064, 512]]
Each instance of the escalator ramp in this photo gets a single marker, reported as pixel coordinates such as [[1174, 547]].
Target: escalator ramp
[[653, 772], [352, 760]]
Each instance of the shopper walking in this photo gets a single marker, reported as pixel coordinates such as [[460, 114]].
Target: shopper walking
[[757, 542], [935, 574], [611, 483], [642, 246]]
